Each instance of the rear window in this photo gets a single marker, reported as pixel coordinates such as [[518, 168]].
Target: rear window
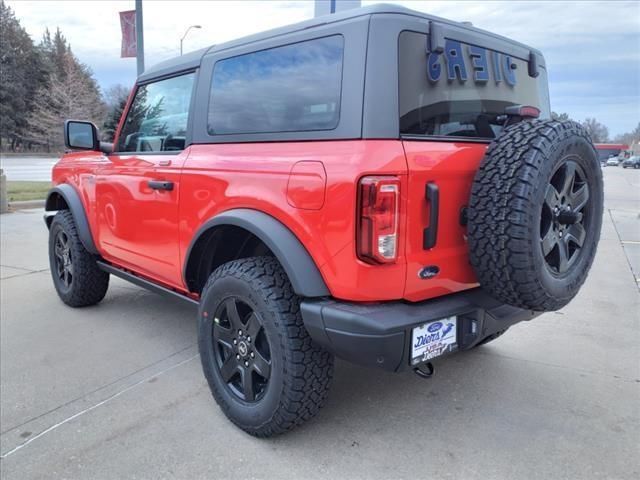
[[290, 88], [461, 92]]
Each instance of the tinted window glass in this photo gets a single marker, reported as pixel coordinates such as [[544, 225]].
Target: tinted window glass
[[292, 88], [461, 92], [157, 119]]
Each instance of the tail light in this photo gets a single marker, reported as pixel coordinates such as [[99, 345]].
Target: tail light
[[378, 210]]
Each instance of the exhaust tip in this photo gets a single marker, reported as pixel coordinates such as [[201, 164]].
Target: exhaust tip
[[425, 370]]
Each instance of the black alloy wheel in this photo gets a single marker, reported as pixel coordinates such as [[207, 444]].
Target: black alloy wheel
[[76, 276], [63, 258], [241, 348], [264, 370], [565, 217]]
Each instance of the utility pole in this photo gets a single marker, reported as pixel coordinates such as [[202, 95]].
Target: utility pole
[[139, 38]]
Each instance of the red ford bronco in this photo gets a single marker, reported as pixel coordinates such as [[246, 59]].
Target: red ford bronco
[[379, 185]]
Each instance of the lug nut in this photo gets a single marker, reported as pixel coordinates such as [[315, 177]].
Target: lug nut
[[235, 342], [240, 332], [246, 364], [237, 357], [249, 339], [252, 354]]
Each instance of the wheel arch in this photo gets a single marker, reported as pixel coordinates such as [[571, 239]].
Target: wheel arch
[[65, 197], [304, 275]]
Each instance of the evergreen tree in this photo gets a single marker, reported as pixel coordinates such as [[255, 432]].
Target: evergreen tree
[[21, 72], [70, 91], [116, 100]]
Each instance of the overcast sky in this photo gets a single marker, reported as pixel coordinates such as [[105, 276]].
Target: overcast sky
[[592, 48]]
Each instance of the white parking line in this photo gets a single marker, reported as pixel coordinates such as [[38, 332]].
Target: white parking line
[[82, 412]]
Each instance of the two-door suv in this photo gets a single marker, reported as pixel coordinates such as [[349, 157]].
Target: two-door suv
[[379, 185]]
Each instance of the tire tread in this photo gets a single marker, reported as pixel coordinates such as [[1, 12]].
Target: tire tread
[[308, 368], [90, 284]]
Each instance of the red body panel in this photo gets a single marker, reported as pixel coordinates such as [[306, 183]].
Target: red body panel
[[311, 187], [220, 177], [451, 166], [138, 226]]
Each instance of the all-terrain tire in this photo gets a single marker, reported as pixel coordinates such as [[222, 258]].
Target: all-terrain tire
[[86, 284], [300, 370], [522, 174]]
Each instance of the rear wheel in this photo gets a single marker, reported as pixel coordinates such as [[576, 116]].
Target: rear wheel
[[263, 369], [76, 276]]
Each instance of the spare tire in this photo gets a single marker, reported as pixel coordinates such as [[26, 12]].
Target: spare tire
[[535, 214]]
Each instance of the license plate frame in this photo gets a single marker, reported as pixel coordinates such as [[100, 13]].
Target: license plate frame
[[434, 339]]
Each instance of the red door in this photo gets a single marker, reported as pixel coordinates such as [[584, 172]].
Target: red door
[[137, 213], [138, 188]]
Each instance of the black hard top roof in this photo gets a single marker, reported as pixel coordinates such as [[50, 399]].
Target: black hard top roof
[[192, 60]]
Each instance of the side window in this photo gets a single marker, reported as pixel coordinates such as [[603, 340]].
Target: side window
[[295, 87], [157, 119]]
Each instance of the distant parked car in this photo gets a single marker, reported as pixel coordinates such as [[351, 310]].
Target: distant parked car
[[632, 162], [613, 162]]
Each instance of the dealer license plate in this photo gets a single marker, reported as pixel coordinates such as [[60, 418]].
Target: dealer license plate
[[433, 339]]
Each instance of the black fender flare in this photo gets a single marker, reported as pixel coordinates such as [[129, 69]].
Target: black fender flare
[[73, 202], [304, 275]]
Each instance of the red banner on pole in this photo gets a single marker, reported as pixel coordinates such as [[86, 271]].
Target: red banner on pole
[[128, 25]]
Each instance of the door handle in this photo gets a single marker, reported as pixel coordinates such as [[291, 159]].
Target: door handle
[[430, 234], [160, 185]]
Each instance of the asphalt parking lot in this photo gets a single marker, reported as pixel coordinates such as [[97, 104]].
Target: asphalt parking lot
[[116, 390]]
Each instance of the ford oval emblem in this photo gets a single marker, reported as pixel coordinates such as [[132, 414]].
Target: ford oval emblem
[[428, 272], [434, 327]]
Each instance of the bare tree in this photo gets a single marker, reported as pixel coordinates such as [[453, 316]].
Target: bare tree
[[72, 95], [629, 137], [598, 132], [561, 117]]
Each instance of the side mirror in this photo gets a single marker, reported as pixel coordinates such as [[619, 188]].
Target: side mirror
[[80, 135]]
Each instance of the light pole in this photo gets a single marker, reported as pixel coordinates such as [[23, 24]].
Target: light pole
[[185, 34], [139, 38]]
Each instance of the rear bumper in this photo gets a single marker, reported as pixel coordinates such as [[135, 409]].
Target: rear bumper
[[379, 334]]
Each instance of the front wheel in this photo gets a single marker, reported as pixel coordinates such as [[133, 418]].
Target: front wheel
[[264, 371], [76, 275]]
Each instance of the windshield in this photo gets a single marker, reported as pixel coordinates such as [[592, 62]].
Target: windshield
[[463, 91]]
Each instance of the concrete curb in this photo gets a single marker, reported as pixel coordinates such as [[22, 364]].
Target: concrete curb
[[26, 204], [3, 192]]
